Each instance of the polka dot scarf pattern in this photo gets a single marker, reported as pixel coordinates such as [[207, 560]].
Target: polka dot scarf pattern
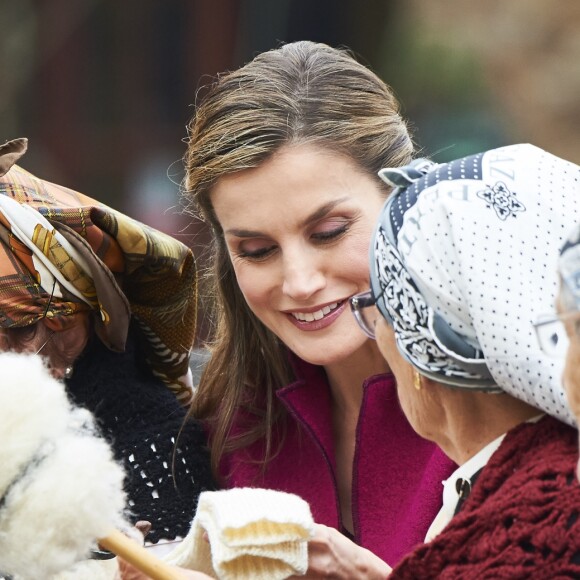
[[465, 261]]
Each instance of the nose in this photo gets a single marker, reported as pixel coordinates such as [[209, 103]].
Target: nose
[[303, 276]]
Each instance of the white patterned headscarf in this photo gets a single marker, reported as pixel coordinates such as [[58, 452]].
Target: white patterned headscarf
[[464, 260]]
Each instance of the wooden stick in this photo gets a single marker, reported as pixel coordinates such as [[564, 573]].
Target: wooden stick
[[139, 557]]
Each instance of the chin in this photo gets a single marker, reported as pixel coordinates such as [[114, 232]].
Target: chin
[[335, 345], [325, 354], [312, 353], [321, 360]]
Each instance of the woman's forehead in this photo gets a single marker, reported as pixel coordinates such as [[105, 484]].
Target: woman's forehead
[[295, 185]]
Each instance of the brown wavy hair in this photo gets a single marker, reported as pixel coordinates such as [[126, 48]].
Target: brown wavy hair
[[303, 92]]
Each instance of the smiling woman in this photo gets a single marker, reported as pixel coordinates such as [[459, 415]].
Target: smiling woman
[[297, 272], [282, 163]]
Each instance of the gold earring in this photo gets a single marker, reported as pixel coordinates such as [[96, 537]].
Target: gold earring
[[417, 380]]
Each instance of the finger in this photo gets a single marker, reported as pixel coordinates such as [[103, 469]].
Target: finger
[[128, 572], [144, 527]]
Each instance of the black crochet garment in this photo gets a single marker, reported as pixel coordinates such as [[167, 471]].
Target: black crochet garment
[[142, 419]]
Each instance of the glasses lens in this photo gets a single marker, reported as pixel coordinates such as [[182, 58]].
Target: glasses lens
[[553, 338], [364, 310]]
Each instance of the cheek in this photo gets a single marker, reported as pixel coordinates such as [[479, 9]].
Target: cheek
[[571, 379], [385, 338], [354, 257], [254, 284], [578, 464]]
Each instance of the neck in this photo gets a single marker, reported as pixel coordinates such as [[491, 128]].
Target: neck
[[472, 420], [347, 376]]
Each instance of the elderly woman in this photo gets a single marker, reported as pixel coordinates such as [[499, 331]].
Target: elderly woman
[[111, 304], [552, 331], [462, 263]]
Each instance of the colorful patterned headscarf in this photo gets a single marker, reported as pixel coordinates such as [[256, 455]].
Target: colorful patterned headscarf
[[62, 252], [464, 261]]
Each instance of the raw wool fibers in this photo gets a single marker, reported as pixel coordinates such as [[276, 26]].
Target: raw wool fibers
[[60, 488]]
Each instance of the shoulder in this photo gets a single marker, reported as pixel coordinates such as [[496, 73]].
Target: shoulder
[[529, 493], [521, 517], [530, 455], [548, 442]]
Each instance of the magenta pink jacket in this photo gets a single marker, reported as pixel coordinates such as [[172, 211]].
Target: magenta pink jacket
[[396, 485]]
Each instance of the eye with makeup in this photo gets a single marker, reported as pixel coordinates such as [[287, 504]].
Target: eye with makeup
[[324, 232], [330, 230], [255, 250]]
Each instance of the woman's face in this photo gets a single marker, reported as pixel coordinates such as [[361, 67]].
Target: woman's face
[[298, 229], [60, 347], [571, 375], [424, 407]]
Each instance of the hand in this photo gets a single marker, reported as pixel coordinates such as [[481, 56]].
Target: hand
[[332, 555], [128, 572]]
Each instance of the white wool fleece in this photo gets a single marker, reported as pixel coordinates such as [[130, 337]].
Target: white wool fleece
[[60, 488]]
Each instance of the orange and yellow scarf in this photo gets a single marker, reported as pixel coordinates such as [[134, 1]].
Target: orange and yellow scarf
[[62, 252]]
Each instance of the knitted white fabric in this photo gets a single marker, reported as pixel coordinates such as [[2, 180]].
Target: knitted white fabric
[[253, 534], [465, 261]]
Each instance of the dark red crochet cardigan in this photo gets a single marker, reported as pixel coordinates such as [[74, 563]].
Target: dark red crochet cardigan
[[521, 519]]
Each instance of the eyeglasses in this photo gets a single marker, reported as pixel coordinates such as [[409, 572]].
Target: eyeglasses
[[552, 335], [366, 313]]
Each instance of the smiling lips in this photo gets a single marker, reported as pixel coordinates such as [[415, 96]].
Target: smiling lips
[[318, 319], [318, 315]]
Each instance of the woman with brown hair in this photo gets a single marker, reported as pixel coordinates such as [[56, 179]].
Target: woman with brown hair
[[282, 164]]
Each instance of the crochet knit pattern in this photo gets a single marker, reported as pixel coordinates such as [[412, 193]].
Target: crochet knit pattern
[[142, 419], [521, 519]]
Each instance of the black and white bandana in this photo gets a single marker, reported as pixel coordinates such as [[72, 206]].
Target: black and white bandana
[[464, 260]]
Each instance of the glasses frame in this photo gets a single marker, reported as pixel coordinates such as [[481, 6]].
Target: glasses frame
[[552, 319]]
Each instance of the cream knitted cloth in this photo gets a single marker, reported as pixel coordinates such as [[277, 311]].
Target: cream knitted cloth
[[253, 533]]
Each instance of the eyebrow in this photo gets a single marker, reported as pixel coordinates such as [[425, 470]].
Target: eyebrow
[[313, 217]]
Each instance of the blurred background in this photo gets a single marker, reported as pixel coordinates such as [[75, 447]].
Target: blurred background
[[103, 89]]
